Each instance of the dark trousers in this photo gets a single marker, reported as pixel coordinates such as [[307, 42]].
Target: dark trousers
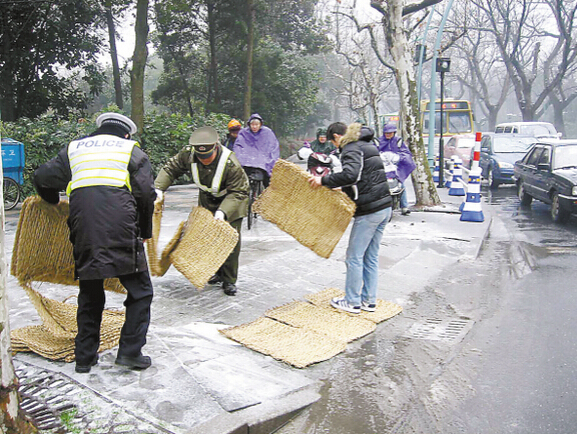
[[228, 271], [89, 316]]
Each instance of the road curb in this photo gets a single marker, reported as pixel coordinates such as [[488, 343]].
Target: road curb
[[263, 418]]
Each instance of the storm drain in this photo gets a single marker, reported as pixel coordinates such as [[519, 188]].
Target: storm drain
[[435, 329], [56, 403]]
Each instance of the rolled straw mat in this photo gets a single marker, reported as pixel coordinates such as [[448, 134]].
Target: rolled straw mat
[[316, 218], [324, 321], [42, 251], [296, 346], [385, 309], [198, 248]]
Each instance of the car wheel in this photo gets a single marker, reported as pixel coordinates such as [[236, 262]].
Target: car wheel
[[493, 183], [523, 196], [558, 214]]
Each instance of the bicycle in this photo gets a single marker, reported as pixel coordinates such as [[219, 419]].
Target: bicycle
[[256, 179], [11, 191]]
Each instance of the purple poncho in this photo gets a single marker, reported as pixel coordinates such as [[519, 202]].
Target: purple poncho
[[406, 164], [257, 149]]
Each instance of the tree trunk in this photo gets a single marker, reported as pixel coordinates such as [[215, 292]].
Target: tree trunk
[[7, 103], [213, 77], [249, 58], [12, 419], [114, 57], [425, 190], [139, 64]]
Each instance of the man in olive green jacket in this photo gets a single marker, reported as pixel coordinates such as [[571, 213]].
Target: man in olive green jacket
[[223, 188]]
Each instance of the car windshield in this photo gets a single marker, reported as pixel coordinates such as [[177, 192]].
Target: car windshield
[[504, 145], [565, 156], [537, 130]]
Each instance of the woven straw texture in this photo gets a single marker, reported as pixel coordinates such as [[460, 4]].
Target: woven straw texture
[[323, 321], [198, 248], [316, 218], [203, 247], [42, 250], [296, 346], [54, 339], [385, 309]]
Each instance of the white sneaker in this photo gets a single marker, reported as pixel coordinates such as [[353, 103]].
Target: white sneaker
[[342, 304], [368, 307]]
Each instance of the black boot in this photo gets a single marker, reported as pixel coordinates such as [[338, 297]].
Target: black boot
[[215, 280], [85, 368], [229, 288], [138, 362]]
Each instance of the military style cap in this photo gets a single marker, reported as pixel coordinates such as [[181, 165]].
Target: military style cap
[[117, 119], [203, 136]]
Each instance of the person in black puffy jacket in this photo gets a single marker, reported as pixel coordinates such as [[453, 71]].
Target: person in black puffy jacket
[[364, 180]]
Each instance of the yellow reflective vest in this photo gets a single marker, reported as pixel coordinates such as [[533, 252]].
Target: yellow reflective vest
[[100, 160]]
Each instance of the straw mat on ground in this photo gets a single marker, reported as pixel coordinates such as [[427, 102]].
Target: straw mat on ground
[[296, 346], [385, 309], [42, 250], [317, 218], [198, 248], [324, 321]]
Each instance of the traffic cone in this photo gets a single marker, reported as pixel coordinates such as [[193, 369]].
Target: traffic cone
[[457, 188], [472, 210], [436, 170]]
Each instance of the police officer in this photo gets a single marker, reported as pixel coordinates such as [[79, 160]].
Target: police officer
[[223, 188], [110, 184]]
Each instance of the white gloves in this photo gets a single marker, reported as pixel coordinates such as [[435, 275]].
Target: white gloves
[[219, 215], [159, 195]]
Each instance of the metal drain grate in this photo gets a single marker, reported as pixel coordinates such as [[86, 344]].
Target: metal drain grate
[[44, 399], [440, 330]]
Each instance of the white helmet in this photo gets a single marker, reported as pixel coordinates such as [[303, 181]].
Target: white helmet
[[117, 119]]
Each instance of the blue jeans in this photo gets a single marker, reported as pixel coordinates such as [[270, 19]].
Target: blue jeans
[[404, 198], [363, 257]]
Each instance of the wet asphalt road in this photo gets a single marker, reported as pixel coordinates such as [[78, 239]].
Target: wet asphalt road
[[511, 368]]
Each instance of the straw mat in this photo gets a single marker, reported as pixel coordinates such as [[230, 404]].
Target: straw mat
[[326, 322], [54, 339], [317, 218], [198, 248], [385, 309], [296, 346], [42, 250]]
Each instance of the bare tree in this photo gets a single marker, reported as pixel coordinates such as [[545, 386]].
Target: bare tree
[[395, 30], [529, 50], [481, 70]]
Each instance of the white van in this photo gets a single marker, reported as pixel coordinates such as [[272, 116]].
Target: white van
[[535, 129]]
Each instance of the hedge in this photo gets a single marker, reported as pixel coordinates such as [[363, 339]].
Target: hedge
[[164, 135]]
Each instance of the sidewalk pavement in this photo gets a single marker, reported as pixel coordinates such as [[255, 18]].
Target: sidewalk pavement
[[202, 382]]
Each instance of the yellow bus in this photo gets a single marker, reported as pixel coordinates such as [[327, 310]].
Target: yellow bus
[[457, 117]]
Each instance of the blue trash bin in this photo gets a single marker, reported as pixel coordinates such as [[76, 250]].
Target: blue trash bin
[[13, 159]]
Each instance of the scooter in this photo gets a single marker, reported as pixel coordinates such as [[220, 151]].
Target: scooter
[[395, 186]]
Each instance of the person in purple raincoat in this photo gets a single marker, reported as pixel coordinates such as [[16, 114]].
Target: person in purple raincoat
[[257, 147], [392, 144]]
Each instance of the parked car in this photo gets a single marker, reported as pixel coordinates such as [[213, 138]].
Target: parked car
[[535, 129], [461, 145], [549, 173], [499, 152]]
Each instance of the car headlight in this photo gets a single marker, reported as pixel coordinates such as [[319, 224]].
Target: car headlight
[[504, 165], [574, 191]]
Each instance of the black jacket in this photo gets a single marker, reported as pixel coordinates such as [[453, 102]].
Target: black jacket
[[107, 224], [363, 177]]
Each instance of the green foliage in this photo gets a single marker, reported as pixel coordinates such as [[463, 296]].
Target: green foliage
[[164, 135], [38, 41]]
